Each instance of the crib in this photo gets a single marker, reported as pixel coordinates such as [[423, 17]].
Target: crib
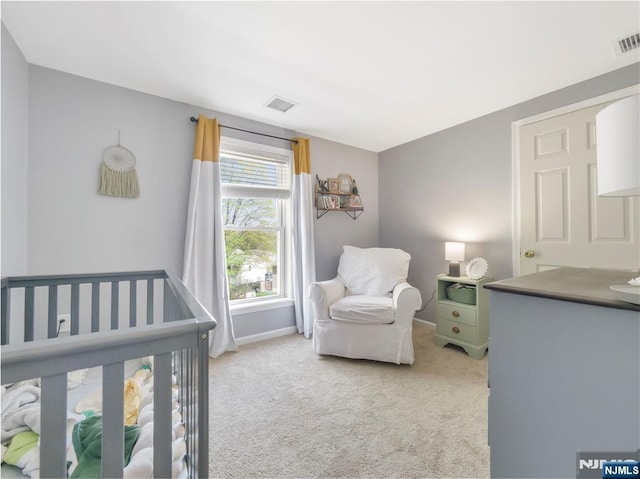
[[114, 318]]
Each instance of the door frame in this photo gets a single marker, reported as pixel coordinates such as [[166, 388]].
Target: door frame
[[515, 157]]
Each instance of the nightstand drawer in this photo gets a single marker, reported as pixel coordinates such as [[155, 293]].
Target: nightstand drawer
[[458, 331], [456, 313]]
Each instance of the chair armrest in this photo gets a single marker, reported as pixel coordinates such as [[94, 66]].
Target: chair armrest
[[323, 294], [406, 301]]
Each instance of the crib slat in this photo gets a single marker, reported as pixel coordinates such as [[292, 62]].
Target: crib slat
[[149, 301], [52, 329], [162, 415], [95, 307], [191, 408], [6, 313], [115, 301], [185, 398], [166, 303], [28, 313], [113, 420], [202, 404], [53, 424], [75, 309], [133, 303]]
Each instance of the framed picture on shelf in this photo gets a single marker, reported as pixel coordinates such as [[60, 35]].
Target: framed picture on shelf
[[334, 185], [345, 183]]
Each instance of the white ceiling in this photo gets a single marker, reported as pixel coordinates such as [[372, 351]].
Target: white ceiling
[[368, 74]]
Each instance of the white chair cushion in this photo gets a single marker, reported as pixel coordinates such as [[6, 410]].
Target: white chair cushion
[[363, 309], [373, 271]]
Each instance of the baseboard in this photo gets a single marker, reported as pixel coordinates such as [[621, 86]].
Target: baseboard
[[428, 324], [254, 338], [276, 333]]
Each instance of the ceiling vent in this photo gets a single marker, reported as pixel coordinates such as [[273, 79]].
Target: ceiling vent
[[280, 104], [626, 44]]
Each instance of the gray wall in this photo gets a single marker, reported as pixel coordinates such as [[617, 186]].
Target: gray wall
[[335, 229], [15, 79], [72, 229], [456, 185]]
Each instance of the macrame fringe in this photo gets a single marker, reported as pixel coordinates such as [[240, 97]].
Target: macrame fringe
[[118, 183]]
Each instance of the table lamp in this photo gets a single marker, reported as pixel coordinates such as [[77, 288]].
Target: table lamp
[[618, 148], [618, 164], [454, 253]]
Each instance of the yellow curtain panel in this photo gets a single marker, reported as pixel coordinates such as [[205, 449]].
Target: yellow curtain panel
[[207, 144], [301, 156]]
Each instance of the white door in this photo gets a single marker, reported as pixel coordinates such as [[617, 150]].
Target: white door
[[563, 222]]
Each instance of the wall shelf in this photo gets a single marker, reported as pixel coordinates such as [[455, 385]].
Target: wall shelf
[[352, 212], [338, 194]]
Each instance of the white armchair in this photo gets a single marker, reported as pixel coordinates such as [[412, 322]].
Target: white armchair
[[366, 312]]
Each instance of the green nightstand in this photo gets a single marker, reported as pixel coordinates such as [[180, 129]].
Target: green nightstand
[[466, 325]]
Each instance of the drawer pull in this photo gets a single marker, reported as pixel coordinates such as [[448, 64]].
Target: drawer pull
[[455, 314], [455, 329]]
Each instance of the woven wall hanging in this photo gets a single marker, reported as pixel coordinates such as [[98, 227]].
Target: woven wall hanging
[[118, 175]]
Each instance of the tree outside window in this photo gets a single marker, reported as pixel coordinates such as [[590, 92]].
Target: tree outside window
[[252, 239]]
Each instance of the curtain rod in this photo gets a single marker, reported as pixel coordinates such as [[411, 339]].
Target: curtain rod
[[195, 120]]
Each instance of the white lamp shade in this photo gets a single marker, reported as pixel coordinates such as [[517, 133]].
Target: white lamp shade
[[453, 251], [618, 148]]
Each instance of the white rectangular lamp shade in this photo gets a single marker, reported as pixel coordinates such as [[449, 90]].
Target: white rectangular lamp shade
[[454, 253], [618, 148]]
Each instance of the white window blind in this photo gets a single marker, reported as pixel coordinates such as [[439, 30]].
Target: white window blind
[[245, 177]]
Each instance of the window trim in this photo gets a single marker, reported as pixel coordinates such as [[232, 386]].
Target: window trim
[[249, 306], [246, 191], [255, 150], [236, 147]]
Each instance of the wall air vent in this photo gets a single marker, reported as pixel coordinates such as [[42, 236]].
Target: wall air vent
[[626, 44], [280, 104]]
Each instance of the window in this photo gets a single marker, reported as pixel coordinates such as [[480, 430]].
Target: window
[[256, 183]]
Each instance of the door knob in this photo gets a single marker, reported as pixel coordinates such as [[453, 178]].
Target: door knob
[[529, 253]]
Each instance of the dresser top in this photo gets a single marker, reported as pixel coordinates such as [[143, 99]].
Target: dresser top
[[578, 285]]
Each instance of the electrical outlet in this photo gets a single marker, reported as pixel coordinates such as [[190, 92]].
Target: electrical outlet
[[64, 323]]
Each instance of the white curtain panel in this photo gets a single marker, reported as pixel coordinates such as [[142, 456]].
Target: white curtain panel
[[304, 264], [204, 253]]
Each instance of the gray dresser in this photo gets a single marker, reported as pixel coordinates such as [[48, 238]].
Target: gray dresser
[[564, 371]]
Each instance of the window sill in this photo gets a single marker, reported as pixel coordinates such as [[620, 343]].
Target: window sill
[[258, 306]]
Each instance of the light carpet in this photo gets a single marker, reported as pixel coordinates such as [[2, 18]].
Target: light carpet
[[278, 410]]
